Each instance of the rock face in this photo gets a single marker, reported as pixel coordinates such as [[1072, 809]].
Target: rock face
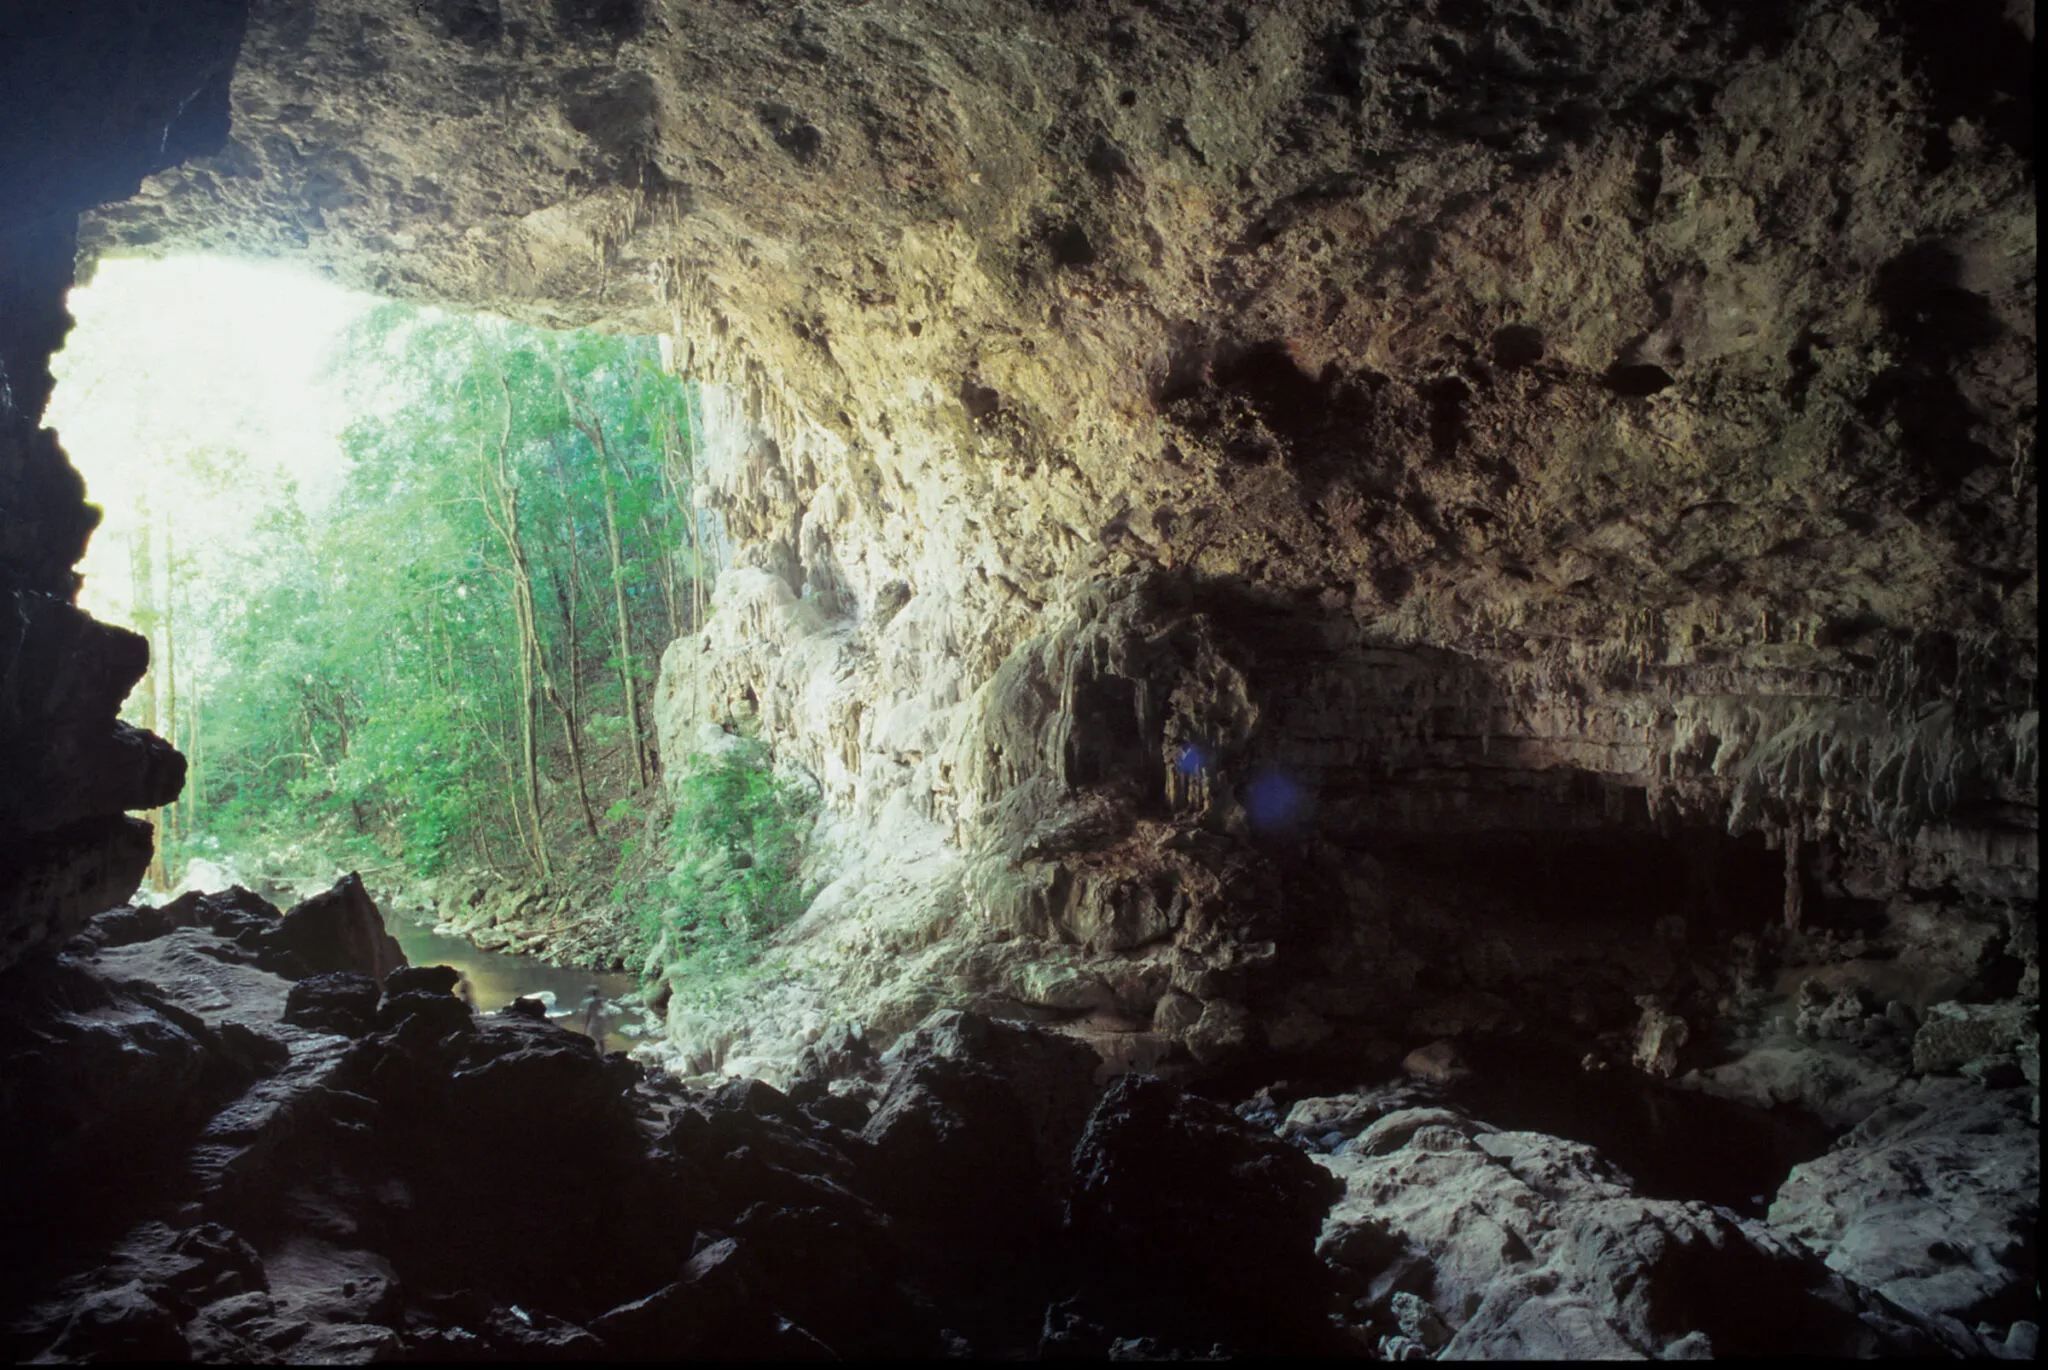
[[1933, 1200], [1307, 532], [1143, 439], [1132, 424], [95, 97], [1468, 1242]]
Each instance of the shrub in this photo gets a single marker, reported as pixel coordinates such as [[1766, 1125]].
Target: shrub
[[737, 837]]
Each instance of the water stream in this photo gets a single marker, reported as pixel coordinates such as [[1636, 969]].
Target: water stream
[[497, 978]]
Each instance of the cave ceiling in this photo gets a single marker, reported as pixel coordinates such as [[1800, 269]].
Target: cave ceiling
[[1689, 326]]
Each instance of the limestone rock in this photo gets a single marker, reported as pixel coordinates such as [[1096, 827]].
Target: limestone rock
[[339, 930], [1538, 1248], [1954, 1035], [1659, 1036], [1931, 1200]]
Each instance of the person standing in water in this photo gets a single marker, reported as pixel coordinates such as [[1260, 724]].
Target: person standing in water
[[593, 1015]]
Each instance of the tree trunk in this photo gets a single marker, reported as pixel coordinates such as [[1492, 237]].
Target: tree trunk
[[174, 814], [595, 433], [142, 577], [501, 508], [573, 711]]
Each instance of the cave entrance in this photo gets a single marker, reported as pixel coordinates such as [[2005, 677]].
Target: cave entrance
[[197, 397], [407, 576]]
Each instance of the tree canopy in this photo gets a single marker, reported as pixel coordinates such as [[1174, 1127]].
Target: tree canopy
[[451, 661]]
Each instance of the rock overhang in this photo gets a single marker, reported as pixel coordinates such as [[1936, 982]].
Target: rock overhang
[[1602, 421]]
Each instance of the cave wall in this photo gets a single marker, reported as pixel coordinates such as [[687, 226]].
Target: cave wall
[[1487, 424], [93, 97]]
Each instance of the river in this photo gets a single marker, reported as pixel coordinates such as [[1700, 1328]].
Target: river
[[497, 979]]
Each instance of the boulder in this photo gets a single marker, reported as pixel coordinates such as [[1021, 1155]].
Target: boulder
[[1533, 1247], [951, 1150], [428, 1014], [1203, 1228], [422, 980], [713, 1310], [339, 929], [1933, 1201], [126, 926], [342, 1001], [238, 914]]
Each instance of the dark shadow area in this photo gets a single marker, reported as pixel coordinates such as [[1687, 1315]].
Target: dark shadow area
[[1517, 345], [1977, 65], [1635, 381], [1675, 1144], [1937, 322], [1717, 883]]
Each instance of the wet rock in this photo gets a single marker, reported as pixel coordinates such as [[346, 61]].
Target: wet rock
[[343, 1001], [340, 929]]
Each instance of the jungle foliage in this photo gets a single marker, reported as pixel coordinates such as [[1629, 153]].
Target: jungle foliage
[[737, 840], [451, 663]]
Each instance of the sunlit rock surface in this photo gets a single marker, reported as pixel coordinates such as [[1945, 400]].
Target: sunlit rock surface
[[1494, 422], [1292, 538]]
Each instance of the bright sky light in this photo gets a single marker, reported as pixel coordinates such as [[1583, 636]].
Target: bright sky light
[[173, 366]]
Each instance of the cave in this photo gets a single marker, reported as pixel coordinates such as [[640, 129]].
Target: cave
[[1406, 637]]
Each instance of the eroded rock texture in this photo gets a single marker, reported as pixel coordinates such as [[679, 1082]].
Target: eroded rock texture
[[1295, 536], [1185, 423]]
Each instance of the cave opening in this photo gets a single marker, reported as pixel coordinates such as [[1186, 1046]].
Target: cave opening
[[1540, 696], [406, 576]]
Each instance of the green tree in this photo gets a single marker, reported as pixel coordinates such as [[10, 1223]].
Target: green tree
[[379, 676]]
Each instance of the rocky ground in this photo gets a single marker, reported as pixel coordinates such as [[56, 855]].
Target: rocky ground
[[237, 1136], [1309, 539]]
